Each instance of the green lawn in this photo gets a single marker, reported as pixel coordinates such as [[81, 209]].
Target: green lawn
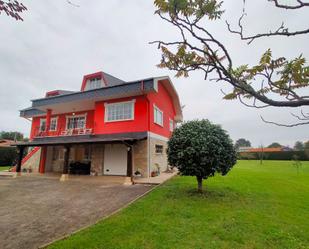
[[4, 168], [255, 206]]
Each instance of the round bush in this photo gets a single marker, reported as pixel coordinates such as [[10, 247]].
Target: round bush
[[200, 148]]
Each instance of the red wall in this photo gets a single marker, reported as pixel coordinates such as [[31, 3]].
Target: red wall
[[143, 109], [164, 102], [61, 125], [138, 124]]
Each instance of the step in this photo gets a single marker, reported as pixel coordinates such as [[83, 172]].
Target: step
[[8, 174]]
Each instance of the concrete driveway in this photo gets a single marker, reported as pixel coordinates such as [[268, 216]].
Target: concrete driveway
[[38, 210]]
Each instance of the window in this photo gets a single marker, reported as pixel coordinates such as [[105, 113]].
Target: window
[[171, 125], [76, 122], [53, 124], [159, 149], [94, 83], [158, 116], [42, 124], [119, 111]]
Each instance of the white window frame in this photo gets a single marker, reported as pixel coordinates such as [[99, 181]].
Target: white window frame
[[97, 83], [75, 116], [155, 110], [109, 105], [172, 125], [41, 121], [56, 126]]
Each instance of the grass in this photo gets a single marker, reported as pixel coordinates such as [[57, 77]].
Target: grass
[[254, 206], [4, 168]]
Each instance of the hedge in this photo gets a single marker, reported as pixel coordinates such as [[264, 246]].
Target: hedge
[[8, 156], [278, 155]]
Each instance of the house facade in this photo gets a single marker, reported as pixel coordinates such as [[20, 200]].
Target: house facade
[[109, 127]]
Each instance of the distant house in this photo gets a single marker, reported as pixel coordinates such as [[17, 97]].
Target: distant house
[[6, 142], [109, 127], [265, 149]]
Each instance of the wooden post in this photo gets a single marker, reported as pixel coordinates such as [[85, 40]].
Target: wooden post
[[20, 158], [66, 159], [43, 159], [129, 162]]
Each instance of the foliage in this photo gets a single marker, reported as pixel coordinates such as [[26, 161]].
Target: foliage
[[255, 206], [276, 155], [297, 163], [242, 142], [271, 81], [299, 146], [274, 145], [8, 156], [200, 148], [11, 135], [306, 144], [12, 9]]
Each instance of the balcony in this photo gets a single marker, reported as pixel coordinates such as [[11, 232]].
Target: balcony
[[67, 132]]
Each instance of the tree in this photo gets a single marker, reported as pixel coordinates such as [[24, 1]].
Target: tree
[[201, 149], [272, 81], [299, 146], [306, 145], [11, 135], [242, 143], [274, 145], [12, 9]]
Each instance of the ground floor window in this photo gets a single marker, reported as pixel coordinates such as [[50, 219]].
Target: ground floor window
[[159, 149]]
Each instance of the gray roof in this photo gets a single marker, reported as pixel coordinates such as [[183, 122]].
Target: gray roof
[[78, 139], [112, 80]]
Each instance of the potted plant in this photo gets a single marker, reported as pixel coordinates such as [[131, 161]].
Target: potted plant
[[137, 173]]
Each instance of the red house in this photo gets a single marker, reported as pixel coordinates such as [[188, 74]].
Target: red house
[[109, 127]]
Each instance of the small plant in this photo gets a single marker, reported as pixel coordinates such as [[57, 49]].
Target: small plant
[[137, 173], [296, 163]]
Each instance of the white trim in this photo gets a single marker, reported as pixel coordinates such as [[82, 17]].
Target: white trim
[[173, 124], [41, 120], [56, 123], [71, 116], [157, 136], [107, 105], [154, 115]]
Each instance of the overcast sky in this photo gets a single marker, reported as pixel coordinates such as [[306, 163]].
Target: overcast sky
[[57, 44]]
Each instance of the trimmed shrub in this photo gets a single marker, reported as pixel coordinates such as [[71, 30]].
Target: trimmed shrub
[[8, 156], [278, 155], [201, 149]]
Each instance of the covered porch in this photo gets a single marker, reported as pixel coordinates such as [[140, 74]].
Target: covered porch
[[96, 155]]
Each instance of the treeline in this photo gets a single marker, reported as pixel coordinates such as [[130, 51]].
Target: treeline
[[278, 155]]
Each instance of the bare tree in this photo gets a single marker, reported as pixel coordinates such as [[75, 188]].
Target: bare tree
[[271, 82]]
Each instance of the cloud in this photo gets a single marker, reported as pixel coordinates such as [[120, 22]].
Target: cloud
[[58, 43]]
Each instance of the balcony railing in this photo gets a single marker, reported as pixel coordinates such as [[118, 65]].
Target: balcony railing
[[66, 132]]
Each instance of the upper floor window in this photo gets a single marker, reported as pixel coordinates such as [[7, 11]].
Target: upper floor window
[[42, 124], [158, 116], [53, 124], [76, 122], [171, 125], [119, 111], [94, 83]]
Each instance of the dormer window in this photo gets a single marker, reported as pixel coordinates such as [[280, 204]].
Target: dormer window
[[94, 83]]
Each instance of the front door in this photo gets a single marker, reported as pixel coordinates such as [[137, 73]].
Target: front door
[[115, 159]]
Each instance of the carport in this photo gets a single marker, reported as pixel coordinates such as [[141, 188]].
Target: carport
[[123, 140]]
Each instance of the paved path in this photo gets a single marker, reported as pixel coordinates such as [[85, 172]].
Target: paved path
[[35, 211]]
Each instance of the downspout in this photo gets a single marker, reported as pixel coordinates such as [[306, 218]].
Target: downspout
[[148, 135]]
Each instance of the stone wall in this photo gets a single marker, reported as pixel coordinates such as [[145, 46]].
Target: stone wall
[[140, 157], [97, 159], [158, 159]]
